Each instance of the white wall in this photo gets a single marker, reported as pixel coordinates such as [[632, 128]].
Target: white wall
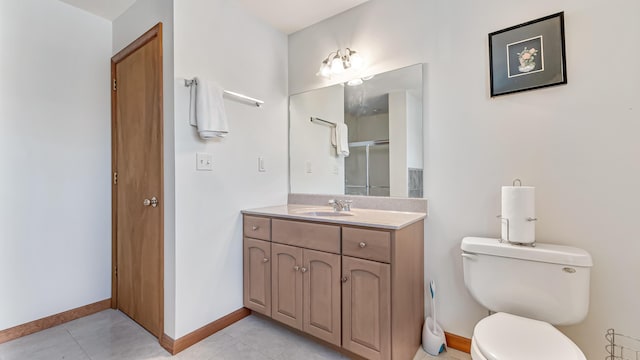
[[398, 132], [415, 131], [217, 40], [311, 142], [578, 143], [140, 17], [55, 194]]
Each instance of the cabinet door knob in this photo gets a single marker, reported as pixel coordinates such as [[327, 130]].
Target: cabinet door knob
[[303, 269], [296, 268], [254, 228], [344, 279], [265, 260], [363, 244]]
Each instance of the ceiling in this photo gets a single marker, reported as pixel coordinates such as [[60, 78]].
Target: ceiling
[[108, 9], [287, 16], [290, 16]]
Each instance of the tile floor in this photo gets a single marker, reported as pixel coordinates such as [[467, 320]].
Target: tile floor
[[111, 335]]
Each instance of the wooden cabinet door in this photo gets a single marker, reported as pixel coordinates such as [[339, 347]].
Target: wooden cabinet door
[[321, 279], [366, 308], [286, 286], [257, 275]]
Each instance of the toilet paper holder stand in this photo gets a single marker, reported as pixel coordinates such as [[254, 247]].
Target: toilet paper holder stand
[[503, 219]]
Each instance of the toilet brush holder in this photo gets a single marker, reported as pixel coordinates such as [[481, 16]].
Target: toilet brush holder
[[433, 339]]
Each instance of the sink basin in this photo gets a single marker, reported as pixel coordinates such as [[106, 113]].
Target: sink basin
[[324, 213]]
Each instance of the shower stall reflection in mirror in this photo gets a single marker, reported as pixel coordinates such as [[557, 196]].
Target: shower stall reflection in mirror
[[382, 142], [367, 168]]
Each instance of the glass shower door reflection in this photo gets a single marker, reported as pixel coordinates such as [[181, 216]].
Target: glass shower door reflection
[[367, 169]]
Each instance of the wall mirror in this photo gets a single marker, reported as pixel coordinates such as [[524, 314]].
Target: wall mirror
[[383, 115]]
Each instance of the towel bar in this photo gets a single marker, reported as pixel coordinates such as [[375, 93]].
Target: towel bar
[[254, 101], [325, 122]]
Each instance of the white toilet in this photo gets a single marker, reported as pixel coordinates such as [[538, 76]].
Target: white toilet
[[529, 288]]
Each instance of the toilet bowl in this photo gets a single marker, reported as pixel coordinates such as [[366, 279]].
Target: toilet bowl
[[504, 336]]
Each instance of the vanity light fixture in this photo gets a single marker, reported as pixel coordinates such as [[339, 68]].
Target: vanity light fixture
[[337, 63]]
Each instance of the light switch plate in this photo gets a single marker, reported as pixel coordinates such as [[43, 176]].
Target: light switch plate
[[307, 166], [261, 167], [204, 161]]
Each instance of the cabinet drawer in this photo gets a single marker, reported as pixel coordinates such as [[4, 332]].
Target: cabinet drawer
[[307, 235], [367, 244], [257, 227]]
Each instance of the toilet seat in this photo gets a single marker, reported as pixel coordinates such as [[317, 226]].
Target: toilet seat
[[504, 336]]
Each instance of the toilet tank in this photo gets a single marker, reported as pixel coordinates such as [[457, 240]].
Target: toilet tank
[[546, 282]]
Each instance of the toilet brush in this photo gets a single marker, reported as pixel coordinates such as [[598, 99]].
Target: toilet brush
[[433, 339]]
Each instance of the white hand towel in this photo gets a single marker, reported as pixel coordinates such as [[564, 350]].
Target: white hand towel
[[211, 118], [342, 139]]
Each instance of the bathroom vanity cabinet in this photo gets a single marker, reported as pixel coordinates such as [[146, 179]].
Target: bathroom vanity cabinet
[[305, 280], [359, 288]]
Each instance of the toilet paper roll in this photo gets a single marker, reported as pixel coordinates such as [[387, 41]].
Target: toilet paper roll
[[518, 205]]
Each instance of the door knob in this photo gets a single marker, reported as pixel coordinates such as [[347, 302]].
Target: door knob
[[153, 202], [363, 245], [303, 269], [344, 279], [296, 268], [265, 260]]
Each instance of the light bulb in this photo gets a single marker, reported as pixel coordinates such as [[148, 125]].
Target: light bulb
[[325, 69], [356, 60], [336, 65], [355, 82]]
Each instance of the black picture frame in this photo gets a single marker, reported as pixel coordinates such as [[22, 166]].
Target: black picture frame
[[528, 56]]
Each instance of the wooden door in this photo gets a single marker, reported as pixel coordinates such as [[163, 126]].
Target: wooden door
[[321, 280], [366, 308], [137, 151], [257, 275], [286, 284]]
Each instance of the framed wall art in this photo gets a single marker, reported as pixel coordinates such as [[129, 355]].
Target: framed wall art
[[528, 56]]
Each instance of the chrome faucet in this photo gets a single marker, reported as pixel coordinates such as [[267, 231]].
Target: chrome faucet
[[341, 205]]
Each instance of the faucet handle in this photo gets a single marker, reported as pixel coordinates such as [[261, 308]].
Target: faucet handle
[[339, 205]]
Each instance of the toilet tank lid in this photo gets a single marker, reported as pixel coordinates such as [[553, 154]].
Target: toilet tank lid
[[549, 253]]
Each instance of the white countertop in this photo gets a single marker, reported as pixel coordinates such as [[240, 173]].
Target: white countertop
[[360, 217]]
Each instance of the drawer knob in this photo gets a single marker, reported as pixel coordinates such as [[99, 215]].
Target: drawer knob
[[344, 279], [303, 269], [265, 260], [255, 228], [296, 268], [363, 245]]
